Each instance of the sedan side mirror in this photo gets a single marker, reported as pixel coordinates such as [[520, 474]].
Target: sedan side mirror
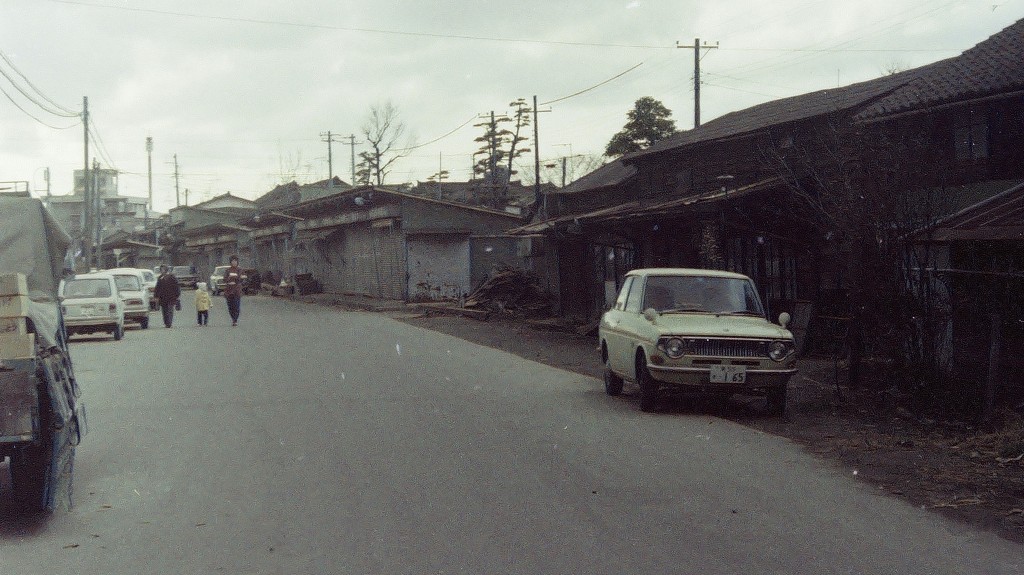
[[784, 318], [651, 314]]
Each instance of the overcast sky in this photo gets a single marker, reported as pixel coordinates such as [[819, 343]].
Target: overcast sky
[[241, 91]]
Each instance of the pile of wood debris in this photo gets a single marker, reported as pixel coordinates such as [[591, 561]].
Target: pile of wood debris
[[511, 292]]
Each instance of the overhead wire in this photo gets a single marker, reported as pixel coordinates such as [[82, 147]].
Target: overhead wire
[[61, 110], [354, 29], [29, 114]]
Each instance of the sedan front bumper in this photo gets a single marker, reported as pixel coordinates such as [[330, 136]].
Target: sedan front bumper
[[699, 378]]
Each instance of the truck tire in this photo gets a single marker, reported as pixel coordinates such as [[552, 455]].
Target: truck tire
[[30, 469]]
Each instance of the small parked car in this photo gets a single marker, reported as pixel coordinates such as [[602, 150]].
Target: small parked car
[[91, 304], [131, 285], [149, 281], [186, 276], [695, 331], [216, 284]]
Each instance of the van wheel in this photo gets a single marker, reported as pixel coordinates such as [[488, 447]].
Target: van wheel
[[648, 387], [118, 332], [144, 323]]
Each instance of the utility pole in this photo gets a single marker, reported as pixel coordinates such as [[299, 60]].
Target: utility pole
[[98, 211], [352, 148], [86, 196], [696, 75], [177, 194], [537, 198], [149, 167], [330, 155]]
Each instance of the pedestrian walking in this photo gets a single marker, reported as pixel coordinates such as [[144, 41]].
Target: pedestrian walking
[[233, 289], [203, 304], [168, 292]]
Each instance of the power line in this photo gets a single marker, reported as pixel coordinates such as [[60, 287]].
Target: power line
[[29, 114], [354, 29], [619, 75], [438, 139], [65, 112], [94, 135]]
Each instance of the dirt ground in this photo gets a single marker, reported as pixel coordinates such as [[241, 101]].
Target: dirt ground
[[952, 469]]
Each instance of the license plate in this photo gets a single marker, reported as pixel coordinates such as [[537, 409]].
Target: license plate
[[728, 374]]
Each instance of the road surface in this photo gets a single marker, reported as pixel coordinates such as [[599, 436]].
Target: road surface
[[310, 440]]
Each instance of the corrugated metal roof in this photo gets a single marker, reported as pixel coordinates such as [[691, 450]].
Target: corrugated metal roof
[[646, 209], [1000, 217]]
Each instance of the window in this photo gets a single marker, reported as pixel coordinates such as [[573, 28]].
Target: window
[[635, 296], [970, 136], [620, 303]]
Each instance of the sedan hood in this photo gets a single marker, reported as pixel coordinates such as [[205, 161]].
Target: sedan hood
[[710, 325]]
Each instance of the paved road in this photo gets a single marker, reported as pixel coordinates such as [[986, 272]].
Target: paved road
[[308, 440]]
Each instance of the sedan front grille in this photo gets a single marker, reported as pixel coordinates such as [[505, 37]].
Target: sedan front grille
[[705, 347]]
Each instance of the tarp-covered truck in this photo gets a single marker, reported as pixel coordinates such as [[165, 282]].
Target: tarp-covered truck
[[42, 417]]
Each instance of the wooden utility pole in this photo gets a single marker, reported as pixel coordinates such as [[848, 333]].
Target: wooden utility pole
[[538, 199], [97, 213], [86, 197], [149, 168], [352, 148], [696, 75], [330, 154], [177, 194]]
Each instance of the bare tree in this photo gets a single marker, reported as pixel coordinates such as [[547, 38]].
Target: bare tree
[[288, 165], [382, 130], [575, 167], [865, 190]]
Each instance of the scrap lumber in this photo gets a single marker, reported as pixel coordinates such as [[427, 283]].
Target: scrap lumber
[[512, 292]]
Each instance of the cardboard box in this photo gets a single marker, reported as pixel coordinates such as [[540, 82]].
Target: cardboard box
[[12, 326], [14, 305], [12, 283], [17, 346]]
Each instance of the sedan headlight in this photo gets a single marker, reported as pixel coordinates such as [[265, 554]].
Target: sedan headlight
[[780, 350], [672, 347]]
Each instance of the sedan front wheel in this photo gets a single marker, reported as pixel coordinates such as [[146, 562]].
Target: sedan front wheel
[[612, 382], [648, 387]]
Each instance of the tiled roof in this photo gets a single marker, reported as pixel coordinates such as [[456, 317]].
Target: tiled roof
[[992, 67], [611, 174], [786, 110]]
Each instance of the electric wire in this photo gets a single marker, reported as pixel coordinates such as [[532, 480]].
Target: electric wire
[[94, 135], [356, 29], [438, 139], [619, 75], [29, 114], [62, 111]]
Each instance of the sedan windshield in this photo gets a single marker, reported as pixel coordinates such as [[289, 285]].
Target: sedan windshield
[[709, 294], [87, 287], [219, 270], [182, 271]]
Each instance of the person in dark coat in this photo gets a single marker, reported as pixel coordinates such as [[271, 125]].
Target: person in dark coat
[[168, 292], [233, 289]]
